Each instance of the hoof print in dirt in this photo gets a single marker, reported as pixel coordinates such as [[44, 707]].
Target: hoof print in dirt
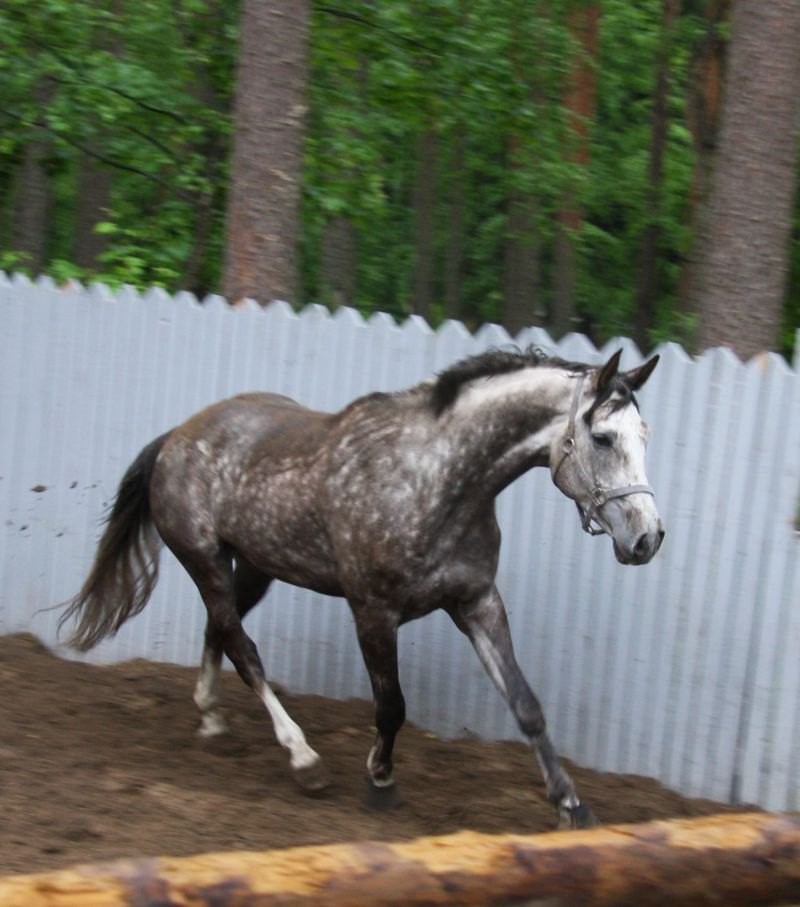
[[382, 799], [312, 779], [225, 745]]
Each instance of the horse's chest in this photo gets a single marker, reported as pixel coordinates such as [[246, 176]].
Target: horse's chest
[[419, 566]]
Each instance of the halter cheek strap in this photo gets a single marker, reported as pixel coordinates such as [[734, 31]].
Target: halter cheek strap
[[598, 496]]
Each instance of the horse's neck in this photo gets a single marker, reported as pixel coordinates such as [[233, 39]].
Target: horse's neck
[[507, 424]]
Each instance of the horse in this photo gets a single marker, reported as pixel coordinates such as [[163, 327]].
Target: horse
[[389, 503]]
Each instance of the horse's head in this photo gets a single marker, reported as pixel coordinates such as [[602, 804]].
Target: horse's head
[[599, 461]]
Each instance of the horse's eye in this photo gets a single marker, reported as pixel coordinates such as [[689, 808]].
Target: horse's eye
[[602, 440]]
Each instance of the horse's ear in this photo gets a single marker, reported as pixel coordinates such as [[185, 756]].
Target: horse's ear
[[636, 377], [607, 372]]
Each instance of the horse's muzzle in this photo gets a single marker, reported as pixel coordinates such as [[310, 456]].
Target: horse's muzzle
[[643, 550]]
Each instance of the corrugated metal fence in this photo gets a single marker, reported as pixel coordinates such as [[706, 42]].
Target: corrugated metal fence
[[686, 670]]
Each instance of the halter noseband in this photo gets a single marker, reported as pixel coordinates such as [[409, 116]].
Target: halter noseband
[[598, 495]]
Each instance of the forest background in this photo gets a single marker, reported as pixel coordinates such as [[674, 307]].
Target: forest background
[[548, 162]]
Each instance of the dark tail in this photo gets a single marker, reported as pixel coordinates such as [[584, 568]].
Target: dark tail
[[125, 569]]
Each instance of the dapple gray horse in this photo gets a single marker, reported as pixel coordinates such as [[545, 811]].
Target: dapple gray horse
[[389, 503]]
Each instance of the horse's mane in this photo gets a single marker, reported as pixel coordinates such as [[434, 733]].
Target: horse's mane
[[495, 361]]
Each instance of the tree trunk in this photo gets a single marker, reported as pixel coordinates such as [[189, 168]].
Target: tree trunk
[[208, 201], [742, 248], [647, 285], [579, 101], [565, 262], [95, 181], [205, 211], [263, 203], [33, 198], [703, 105], [424, 217], [32, 207], [454, 251], [337, 272], [94, 198], [521, 265]]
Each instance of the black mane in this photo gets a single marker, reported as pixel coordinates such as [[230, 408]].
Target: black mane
[[452, 380]]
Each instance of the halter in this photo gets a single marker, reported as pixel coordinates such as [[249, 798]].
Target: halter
[[598, 495]]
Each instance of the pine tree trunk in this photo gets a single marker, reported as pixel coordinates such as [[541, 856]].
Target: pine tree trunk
[[94, 198], [205, 211], [33, 198], [565, 263], [264, 197], [703, 107], [742, 248], [454, 251], [579, 100], [95, 182], [337, 272], [32, 207], [647, 284], [521, 265], [424, 214], [209, 200]]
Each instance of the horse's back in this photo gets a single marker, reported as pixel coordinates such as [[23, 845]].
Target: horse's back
[[252, 424], [214, 451], [254, 407]]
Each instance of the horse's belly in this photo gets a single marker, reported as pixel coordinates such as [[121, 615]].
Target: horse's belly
[[288, 544], [304, 571]]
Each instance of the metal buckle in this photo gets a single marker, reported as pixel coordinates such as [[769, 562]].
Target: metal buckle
[[599, 497]]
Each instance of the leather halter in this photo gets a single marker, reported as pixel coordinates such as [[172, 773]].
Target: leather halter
[[598, 496]]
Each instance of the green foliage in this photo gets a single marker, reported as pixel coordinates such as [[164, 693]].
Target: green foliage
[[144, 91], [144, 94], [474, 73], [616, 196]]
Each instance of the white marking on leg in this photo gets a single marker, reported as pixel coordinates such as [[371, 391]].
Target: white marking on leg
[[206, 696], [372, 767], [212, 724], [542, 765], [571, 801], [488, 655], [289, 734]]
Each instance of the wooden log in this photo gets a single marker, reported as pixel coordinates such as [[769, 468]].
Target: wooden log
[[732, 860]]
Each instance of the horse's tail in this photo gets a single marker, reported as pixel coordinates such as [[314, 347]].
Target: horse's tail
[[125, 569]]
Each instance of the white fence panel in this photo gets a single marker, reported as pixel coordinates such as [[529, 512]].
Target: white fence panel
[[685, 670]]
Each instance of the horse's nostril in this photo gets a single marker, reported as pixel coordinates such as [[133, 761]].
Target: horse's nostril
[[648, 543]]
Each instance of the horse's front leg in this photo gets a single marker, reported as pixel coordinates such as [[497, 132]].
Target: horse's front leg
[[377, 637], [485, 623]]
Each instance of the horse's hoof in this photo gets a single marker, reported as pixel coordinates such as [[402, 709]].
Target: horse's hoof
[[312, 778], [579, 816], [382, 799], [212, 726]]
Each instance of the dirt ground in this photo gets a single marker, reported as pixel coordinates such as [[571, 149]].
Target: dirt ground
[[103, 762]]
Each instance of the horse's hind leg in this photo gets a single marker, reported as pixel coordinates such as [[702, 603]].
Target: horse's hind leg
[[214, 577], [250, 586]]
